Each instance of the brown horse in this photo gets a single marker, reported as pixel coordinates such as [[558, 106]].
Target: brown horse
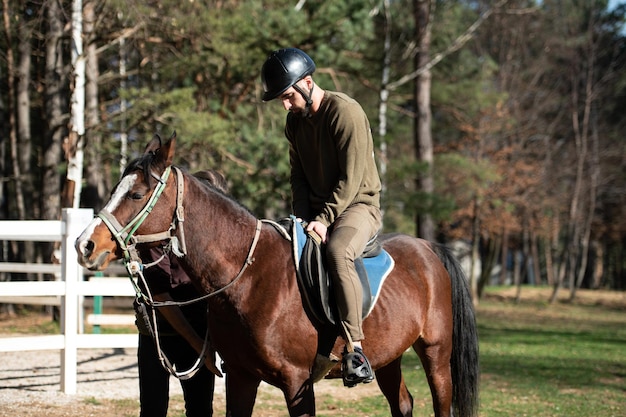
[[257, 321]]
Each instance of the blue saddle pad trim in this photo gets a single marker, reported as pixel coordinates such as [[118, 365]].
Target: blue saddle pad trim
[[377, 267], [300, 235]]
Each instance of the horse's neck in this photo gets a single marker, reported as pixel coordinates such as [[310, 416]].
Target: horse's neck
[[255, 282], [218, 235]]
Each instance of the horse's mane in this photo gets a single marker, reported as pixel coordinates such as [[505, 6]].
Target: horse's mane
[[222, 192], [214, 178]]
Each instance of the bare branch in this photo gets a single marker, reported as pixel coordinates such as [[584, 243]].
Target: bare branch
[[455, 46], [124, 34]]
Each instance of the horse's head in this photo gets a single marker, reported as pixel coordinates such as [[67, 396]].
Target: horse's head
[[146, 188]]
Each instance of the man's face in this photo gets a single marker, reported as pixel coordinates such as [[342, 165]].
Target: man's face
[[292, 100]]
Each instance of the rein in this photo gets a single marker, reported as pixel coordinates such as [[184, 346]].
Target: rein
[[249, 260]]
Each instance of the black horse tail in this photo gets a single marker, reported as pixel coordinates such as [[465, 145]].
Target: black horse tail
[[464, 362]]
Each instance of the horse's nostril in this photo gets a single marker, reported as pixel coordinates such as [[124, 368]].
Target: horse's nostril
[[87, 247]]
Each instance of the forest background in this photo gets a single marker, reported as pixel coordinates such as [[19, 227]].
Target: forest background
[[498, 124]]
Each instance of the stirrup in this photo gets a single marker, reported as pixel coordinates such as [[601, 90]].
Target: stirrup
[[355, 368]]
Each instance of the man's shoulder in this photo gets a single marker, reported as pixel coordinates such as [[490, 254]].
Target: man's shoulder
[[341, 103], [340, 99]]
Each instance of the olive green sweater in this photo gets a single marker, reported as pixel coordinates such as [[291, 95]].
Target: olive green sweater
[[332, 160]]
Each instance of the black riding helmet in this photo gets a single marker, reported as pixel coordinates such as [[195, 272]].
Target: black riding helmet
[[282, 69]]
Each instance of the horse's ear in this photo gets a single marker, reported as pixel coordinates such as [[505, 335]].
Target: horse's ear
[[168, 148], [153, 146], [164, 151]]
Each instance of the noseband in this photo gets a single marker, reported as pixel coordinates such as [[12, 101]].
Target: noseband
[[125, 235]]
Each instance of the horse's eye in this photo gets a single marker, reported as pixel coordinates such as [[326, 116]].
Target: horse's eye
[[136, 196]]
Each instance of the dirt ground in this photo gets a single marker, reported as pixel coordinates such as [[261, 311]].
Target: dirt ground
[[30, 382]]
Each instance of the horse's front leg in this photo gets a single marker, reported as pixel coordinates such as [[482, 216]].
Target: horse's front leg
[[241, 390]]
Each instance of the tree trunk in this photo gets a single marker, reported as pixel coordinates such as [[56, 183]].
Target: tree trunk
[[4, 133], [8, 309], [423, 135], [581, 125], [11, 100], [517, 274], [24, 139], [547, 251], [526, 257], [488, 263], [95, 191], [504, 255], [123, 133], [594, 174], [73, 146], [534, 250], [384, 96], [54, 76], [474, 253], [598, 269], [563, 266]]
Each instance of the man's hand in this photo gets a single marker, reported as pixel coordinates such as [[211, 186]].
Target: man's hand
[[318, 228], [209, 362]]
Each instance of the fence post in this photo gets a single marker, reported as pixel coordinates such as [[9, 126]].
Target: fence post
[[74, 221], [97, 306]]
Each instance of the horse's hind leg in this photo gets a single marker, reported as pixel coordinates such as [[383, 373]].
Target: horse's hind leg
[[391, 383], [436, 362]]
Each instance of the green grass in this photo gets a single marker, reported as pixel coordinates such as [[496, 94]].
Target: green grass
[[559, 360], [92, 401], [536, 360]]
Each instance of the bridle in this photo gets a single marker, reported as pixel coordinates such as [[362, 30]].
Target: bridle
[[127, 241], [125, 235]]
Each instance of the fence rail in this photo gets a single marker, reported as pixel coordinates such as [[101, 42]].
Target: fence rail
[[67, 292]]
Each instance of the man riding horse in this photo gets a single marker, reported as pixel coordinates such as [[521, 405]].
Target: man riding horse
[[334, 182]]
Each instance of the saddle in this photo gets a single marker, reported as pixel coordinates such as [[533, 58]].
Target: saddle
[[372, 267]]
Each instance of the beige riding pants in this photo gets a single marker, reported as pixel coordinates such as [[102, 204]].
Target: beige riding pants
[[348, 236]]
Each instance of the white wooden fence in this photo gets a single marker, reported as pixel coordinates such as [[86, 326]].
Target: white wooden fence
[[69, 291]]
